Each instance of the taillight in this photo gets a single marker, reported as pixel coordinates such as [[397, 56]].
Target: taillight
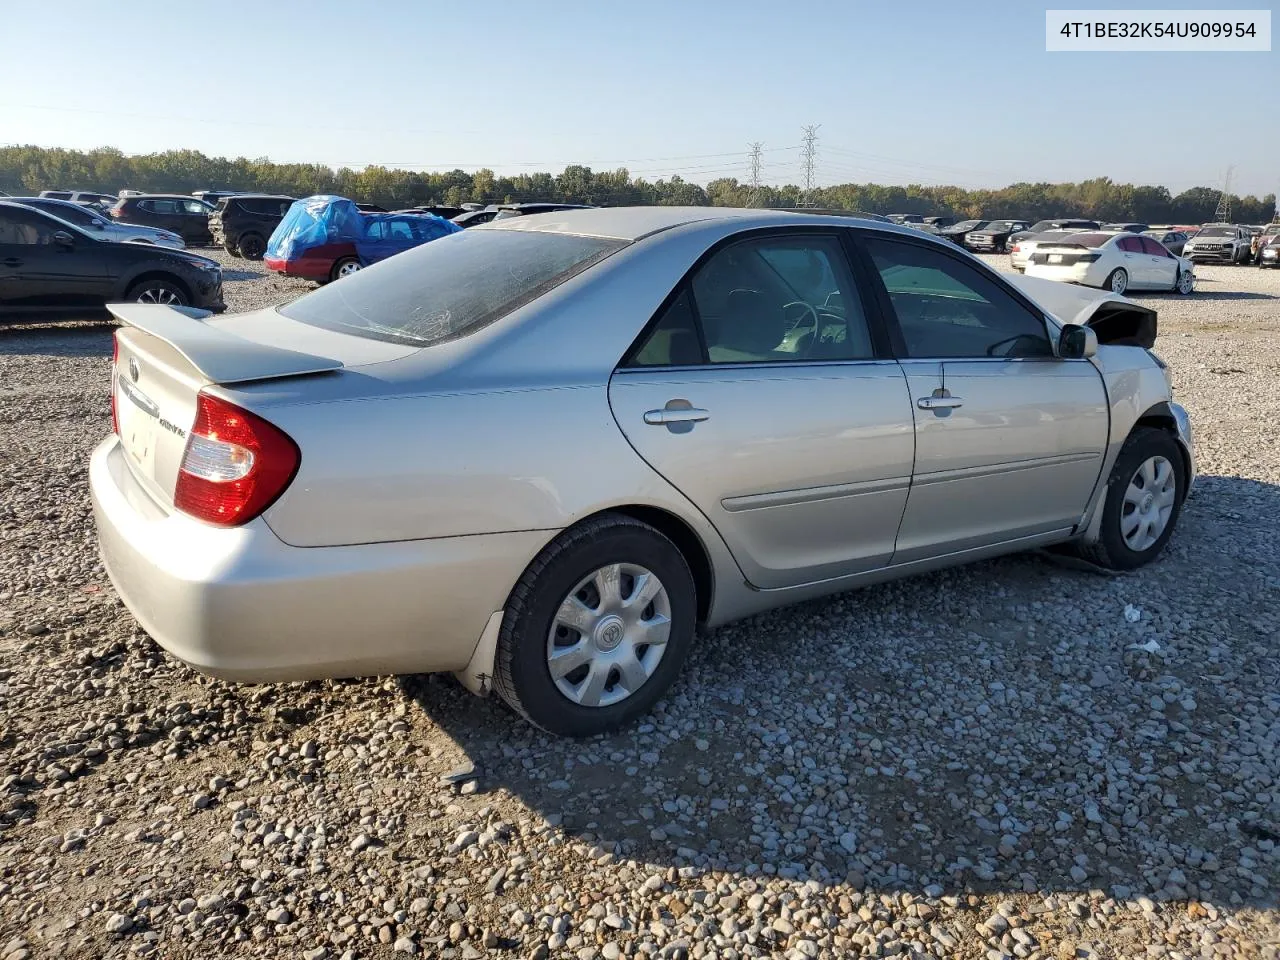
[[1015, 249], [115, 363], [1088, 258], [235, 466]]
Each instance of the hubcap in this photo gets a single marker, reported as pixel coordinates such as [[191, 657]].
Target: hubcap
[[1118, 283], [157, 295], [608, 635], [347, 269], [1186, 283], [1148, 503]]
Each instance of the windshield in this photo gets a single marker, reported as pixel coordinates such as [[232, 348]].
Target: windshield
[[1043, 225], [1090, 240], [1000, 226], [1217, 232], [969, 225], [450, 287]]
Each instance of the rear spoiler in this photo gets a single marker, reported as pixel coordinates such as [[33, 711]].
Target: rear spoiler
[[221, 357]]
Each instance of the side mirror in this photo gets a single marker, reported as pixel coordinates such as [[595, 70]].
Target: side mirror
[[64, 239], [1077, 342]]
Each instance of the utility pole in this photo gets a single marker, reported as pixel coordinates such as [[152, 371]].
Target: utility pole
[[753, 162], [1223, 213], [809, 157]]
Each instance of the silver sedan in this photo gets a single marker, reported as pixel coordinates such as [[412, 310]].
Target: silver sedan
[[539, 453]]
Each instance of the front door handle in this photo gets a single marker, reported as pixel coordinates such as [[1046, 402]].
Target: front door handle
[[939, 403], [676, 415], [11, 262]]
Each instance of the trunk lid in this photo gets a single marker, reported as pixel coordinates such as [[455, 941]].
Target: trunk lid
[[166, 355]]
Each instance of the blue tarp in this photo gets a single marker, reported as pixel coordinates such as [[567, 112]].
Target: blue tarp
[[322, 219]]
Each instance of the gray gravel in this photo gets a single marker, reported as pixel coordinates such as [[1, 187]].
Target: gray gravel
[[1014, 759]]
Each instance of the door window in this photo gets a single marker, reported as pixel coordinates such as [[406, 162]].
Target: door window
[[23, 230], [768, 300], [1130, 245], [1154, 247], [195, 208], [948, 309], [166, 208]]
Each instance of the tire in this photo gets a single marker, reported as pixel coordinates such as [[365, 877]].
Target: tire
[[252, 246], [1117, 276], [155, 290], [532, 628], [1185, 283], [231, 248], [1113, 550], [344, 267]]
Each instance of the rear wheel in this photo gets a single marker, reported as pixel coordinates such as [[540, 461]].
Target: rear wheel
[[155, 290], [252, 246], [231, 248], [596, 628], [1142, 504], [1117, 281], [344, 268]]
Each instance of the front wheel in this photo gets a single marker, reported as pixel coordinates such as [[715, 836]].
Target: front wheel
[[157, 291], [1142, 504], [252, 246], [597, 627], [1186, 284], [344, 268], [1117, 281]]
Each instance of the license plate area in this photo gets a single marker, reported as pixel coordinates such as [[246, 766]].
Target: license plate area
[[1055, 258], [139, 420]]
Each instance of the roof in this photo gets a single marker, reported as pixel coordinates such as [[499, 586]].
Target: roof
[[634, 223]]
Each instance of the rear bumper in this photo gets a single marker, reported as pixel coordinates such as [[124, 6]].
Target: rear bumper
[[241, 604], [305, 268]]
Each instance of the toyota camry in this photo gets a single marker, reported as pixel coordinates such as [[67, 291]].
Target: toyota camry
[[540, 453]]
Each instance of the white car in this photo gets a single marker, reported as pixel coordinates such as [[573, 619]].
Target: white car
[[1113, 261], [104, 228], [1020, 250]]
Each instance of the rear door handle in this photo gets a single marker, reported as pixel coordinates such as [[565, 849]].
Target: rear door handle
[[939, 403], [11, 262], [676, 415]]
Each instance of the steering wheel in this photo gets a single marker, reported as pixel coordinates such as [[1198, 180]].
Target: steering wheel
[[813, 314]]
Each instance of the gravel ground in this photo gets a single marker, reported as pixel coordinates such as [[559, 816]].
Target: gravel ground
[[1018, 758]]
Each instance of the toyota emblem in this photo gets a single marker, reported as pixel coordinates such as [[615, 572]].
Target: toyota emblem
[[133, 369]]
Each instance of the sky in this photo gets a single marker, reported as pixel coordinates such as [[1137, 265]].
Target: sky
[[958, 92]]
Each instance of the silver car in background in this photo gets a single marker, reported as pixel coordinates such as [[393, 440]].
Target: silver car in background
[[540, 452], [102, 227]]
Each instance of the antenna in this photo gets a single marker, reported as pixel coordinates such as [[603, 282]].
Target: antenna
[[1223, 213], [809, 156], [753, 161]]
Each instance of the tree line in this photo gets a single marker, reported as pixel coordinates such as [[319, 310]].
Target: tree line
[[27, 169]]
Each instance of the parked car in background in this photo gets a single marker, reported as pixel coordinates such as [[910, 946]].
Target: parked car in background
[[1220, 243], [1115, 261], [48, 265], [957, 231], [906, 219], [101, 226], [440, 211], [1173, 240], [1269, 250], [1020, 251], [242, 224], [1061, 223], [1262, 239], [940, 222], [185, 216], [473, 218], [994, 237], [326, 238], [371, 208], [1127, 227], [413, 509]]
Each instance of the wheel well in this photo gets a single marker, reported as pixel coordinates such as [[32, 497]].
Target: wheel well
[[1160, 420], [687, 542], [161, 275]]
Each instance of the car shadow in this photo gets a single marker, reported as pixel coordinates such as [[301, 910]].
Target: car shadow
[[233, 274], [864, 739], [87, 337]]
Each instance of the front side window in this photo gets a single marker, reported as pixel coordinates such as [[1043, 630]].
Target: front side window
[[195, 207], [1153, 247], [20, 229], [768, 300], [1130, 245], [948, 309]]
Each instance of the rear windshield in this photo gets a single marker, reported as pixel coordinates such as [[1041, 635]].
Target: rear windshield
[[1090, 240], [449, 287]]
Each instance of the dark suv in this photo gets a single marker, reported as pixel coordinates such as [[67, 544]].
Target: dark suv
[[185, 216], [243, 224]]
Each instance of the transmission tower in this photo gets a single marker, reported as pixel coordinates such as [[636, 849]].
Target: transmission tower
[[809, 157], [753, 161], [1223, 213]]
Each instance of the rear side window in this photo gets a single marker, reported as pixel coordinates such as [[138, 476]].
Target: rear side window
[[450, 287], [1130, 245]]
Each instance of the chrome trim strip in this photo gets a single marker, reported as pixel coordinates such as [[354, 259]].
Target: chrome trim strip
[[991, 470], [834, 491], [758, 365]]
